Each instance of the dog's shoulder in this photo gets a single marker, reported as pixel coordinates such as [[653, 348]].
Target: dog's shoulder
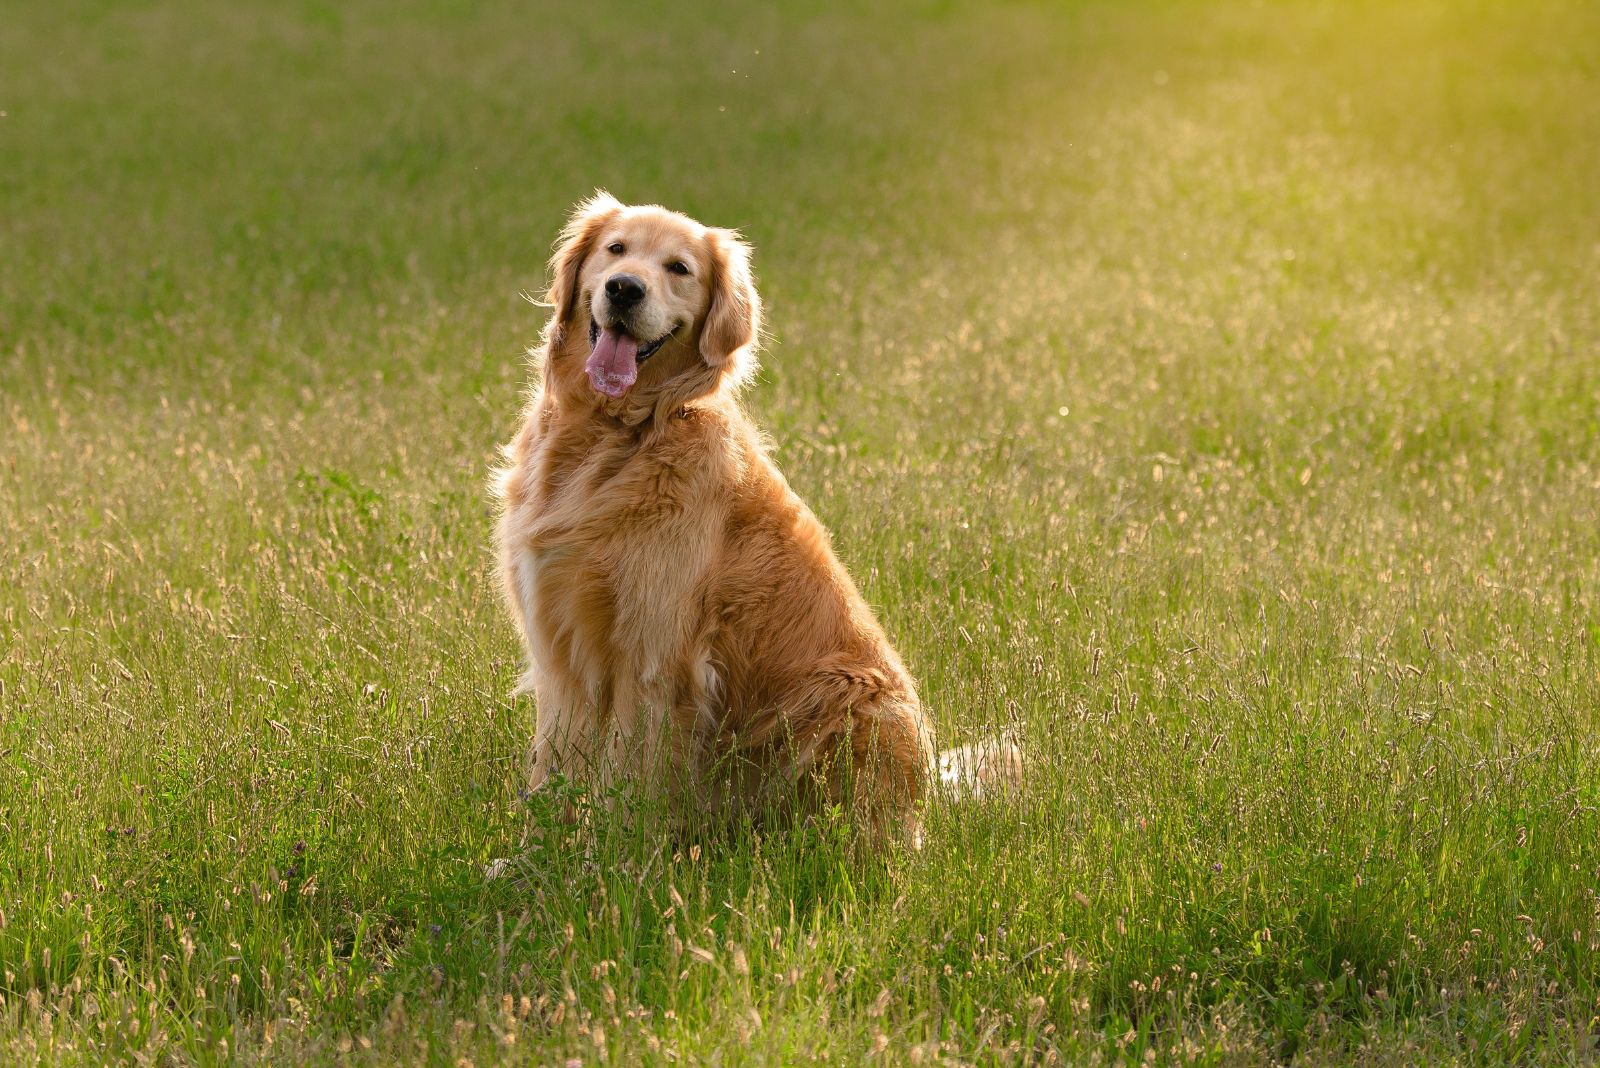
[[716, 440]]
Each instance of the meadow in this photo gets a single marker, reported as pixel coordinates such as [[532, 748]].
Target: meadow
[[1208, 392]]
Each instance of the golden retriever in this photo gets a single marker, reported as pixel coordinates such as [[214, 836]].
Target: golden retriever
[[684, 614]]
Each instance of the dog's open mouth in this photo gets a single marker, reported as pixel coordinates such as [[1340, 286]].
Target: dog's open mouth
[[615, 359]]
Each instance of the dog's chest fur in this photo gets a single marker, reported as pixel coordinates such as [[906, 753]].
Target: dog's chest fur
[[615, 534]]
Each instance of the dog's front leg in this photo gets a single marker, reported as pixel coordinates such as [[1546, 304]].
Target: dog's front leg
[[565, 737]]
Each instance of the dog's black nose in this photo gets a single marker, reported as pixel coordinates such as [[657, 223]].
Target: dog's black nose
[[625, 290]]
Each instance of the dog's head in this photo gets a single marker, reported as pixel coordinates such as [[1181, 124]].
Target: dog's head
[[660, 308]]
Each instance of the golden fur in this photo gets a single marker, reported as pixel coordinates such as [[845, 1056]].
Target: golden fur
[[683, 610]]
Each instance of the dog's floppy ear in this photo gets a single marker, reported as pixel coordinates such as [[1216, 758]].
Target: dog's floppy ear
[[733, 321], [572, 248]]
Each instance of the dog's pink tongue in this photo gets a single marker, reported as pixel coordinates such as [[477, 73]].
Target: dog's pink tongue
[[613, 365]]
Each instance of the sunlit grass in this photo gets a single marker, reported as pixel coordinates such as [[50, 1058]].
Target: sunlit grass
[[1210, 392]]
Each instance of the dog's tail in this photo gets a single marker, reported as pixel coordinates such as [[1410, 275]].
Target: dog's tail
[[989, 766]]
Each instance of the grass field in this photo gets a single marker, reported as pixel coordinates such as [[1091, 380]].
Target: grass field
[[1209, 391]]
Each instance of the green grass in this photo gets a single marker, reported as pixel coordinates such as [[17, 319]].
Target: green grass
[[1211, 391]]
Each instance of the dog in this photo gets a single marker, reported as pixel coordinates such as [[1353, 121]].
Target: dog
[[686, 621]]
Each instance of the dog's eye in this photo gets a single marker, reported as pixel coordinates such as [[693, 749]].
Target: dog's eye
[[616, 248], [678, 267]]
